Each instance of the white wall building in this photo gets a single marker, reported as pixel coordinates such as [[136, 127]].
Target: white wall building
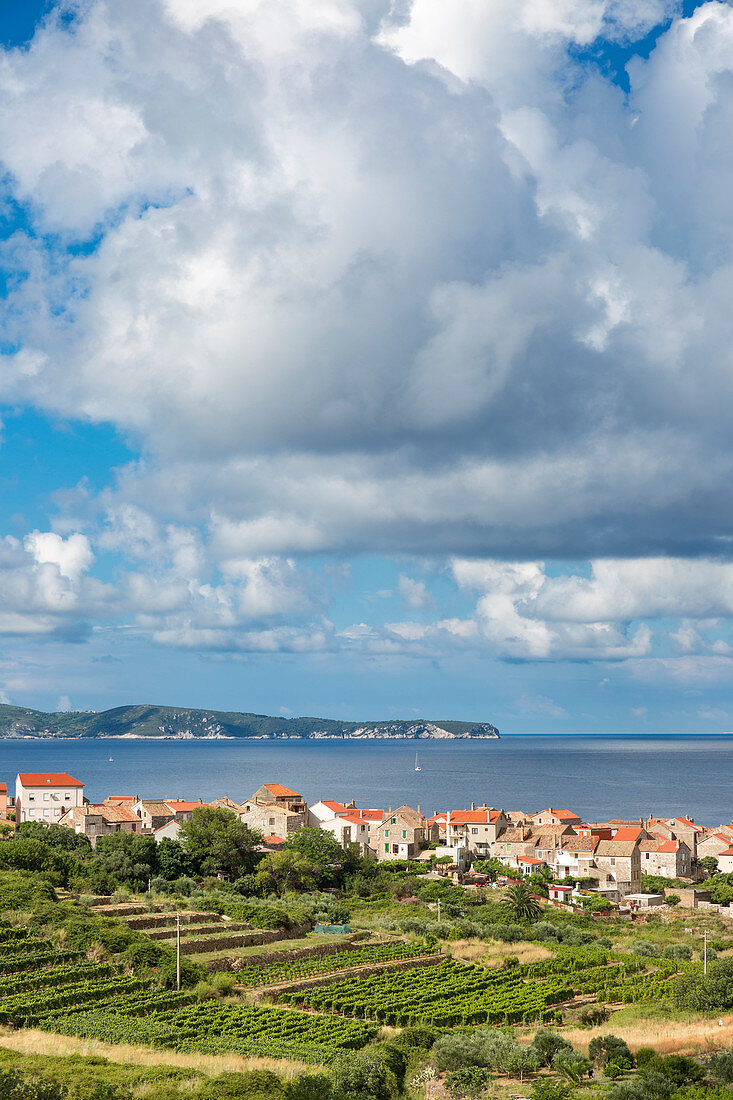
[[46, 796]]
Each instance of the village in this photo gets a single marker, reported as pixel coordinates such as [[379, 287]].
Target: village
[[574, 859]]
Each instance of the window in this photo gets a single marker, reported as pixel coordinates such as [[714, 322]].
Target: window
[[31, 798], [67, 796], [45, 796], [386, 847], [272, 820], [386, 832], [646, 855], [475, 832], [613, 861]]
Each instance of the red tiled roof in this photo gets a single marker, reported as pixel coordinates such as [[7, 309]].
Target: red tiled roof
[[50, 779], [371, 815], [179, 806], [336, 807], [353, 818], [727, 852], [3, 788], [468, 817], [272, 839], [281, 792], [626, 833], [166, 825], [529, 859]]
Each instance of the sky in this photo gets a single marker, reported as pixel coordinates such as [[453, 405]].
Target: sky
[[367, 360]]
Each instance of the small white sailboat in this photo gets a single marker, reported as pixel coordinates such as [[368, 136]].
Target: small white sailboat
[[417, 766], [111, 759]]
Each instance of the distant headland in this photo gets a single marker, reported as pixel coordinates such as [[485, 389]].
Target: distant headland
[[177, 723]]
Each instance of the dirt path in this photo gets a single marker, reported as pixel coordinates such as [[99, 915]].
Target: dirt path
[[32, 1041]]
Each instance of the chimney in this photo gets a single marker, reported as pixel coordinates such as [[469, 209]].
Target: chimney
[[473, 805], [418, 807], [389, 811]]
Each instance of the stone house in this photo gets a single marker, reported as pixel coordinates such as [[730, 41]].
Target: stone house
[[401, 834], [669, 858], [476, 829], [572, 856], [275, 794], [275, 810], [619, 862], [713, 844], [153, 812], [95, 820], [555, 817], [677, 828]]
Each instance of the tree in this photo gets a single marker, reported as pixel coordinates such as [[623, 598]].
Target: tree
[[219, 843], [286, 870], [131, 859], [173, 860], [55, 836], [608, 1048], [519, 903], [330, 862], [521, 1060], [571, 1065], [709, 864], [546, 1045]]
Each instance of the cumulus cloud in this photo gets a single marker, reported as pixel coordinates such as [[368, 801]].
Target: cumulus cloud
[[368, 278]]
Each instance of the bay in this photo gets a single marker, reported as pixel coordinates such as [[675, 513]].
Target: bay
[[597, 777]]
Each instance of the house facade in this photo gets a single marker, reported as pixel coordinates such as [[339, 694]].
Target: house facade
[[101, 819], [476, 830], [401, 834], [46, 796], [669, 858]]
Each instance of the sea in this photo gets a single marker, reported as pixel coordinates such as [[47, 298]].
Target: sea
[[598, 777]]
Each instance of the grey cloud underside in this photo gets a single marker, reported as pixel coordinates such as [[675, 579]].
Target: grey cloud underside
[[405, 280]]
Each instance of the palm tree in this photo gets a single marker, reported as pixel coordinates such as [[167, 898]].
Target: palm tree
[[520, 903]]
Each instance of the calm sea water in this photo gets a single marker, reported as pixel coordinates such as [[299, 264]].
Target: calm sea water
[[598, 777]]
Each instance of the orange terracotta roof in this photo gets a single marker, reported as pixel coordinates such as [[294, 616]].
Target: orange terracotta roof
[[625, 833], [3, 788], [336, 807], [180, 806], [529, 859], [272, 839], [51, 779], [468, 817], [371, 815], [281, 792]]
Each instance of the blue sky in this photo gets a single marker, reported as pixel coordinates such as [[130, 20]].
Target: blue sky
[[365, 363]]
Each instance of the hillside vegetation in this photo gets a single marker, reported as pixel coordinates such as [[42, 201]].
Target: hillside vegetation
[[155, 721]]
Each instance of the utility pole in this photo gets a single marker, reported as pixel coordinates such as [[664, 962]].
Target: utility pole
[[705, 952], [178, 950]]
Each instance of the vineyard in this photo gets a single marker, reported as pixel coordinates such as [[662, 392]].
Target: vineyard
[[328, 964], [445, 995], [216, 1028], [63, 991]]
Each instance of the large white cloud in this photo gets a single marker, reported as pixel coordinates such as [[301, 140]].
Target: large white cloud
[[360, 278]]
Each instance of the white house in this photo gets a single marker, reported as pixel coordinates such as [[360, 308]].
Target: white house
[[725, 860], [171, 831], [46, 796]]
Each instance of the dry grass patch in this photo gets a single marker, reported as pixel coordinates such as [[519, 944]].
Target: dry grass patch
[[31, 1041], [494, 954], [664, 1036]]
